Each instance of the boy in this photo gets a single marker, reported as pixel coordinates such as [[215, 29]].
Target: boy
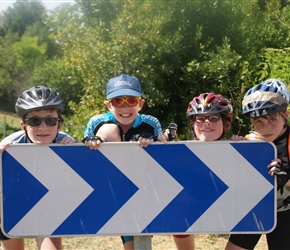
[[123, 122], [40, 111], [266, 105]]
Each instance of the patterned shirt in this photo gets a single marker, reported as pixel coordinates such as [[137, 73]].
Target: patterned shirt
[[142, 123]]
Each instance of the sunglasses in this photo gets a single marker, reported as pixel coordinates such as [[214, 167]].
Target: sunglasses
[[119, 101], [36, 121], [210, 118]]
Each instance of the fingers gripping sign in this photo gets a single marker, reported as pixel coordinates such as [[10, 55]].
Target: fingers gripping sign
[[276, 167], [4, 145], [93, 142]]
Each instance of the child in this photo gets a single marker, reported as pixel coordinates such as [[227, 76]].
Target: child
[[266, 105], [123, 122], [40, 111], [210, 117]]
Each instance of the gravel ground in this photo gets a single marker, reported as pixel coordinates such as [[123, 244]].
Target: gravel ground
[[159, 242]]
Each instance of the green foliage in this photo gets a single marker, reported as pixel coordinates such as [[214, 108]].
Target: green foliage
[[26, 44], [8, 125], [8, 130], [177, 49], [28, 52], [23, 14], [220, 72], [275, 64], [55, 74]]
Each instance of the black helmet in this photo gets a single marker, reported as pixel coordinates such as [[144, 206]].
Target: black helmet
[[38, 98], [210, 103], [268, 97]]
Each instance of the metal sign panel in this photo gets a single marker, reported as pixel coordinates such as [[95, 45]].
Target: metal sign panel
[[124, 189]]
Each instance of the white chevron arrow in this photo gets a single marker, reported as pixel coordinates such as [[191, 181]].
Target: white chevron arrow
[[241, 178], [62, 198], [153, 184]]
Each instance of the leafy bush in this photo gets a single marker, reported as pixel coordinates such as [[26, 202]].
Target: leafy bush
[[7, 129]]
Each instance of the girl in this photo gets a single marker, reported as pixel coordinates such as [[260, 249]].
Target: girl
[[210, 117]]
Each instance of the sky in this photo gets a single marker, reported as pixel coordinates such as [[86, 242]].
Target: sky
[[49, 4]]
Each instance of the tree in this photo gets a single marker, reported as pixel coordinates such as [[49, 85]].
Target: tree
[[23, 14], [26, 44], [177, 49]]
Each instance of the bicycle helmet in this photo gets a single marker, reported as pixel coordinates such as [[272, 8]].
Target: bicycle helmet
[[210, 103], [268, 97], [38, 98]]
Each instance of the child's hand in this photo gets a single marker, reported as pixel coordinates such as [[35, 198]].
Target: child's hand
[[93, 142], [4, 145], [144, 142], [162, 138], [145, 139], [237, 138], [276, 168], [67, 140]]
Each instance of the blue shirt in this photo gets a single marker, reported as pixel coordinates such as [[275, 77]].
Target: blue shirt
[[142, 123], [20, 137]]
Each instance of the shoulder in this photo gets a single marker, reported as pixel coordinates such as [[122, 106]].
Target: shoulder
[[102, 118], [148, 118], [17, 137], [145, 117], [62, 135]]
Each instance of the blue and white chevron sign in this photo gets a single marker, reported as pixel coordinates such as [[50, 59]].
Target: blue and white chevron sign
[[124, 189]]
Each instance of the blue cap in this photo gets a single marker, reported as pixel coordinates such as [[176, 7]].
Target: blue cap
[[123, 85]]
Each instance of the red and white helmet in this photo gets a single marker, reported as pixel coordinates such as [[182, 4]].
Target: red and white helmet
[[210, 103]]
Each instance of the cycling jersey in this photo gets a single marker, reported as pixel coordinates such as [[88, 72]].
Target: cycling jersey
[[142, 123], [282, 153]]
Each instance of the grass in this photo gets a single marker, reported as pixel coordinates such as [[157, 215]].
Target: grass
[[11, 119], [9, 123]]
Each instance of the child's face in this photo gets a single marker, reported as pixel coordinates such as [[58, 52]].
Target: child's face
[[208, 127], [124, 113], [42, 134], [270, 127]]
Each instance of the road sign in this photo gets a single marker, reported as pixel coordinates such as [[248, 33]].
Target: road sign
[[124, 189]]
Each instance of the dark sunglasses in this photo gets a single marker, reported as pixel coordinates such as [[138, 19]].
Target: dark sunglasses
[[36, 121], [210, 118], [119, 101]]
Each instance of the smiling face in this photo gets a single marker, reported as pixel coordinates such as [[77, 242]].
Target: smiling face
[[270, 127], [42, 134], [208, 127], [125, 114]]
